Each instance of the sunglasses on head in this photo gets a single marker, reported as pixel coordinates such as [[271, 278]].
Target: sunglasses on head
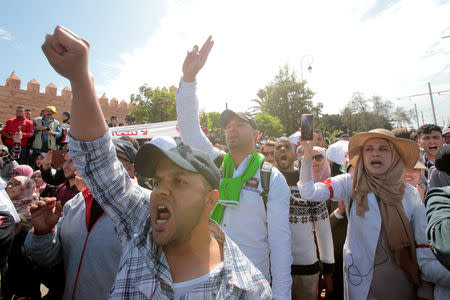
[[318, 157]]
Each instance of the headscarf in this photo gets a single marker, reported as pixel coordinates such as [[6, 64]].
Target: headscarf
[[325, 172], [389, 189], [26, 197], [43, 184], [24, 170]]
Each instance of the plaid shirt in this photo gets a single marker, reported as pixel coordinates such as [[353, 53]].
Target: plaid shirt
[[64, 192], [144, 271], [15, 153]]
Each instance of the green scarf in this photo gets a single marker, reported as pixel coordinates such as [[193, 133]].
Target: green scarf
[[230, 188]]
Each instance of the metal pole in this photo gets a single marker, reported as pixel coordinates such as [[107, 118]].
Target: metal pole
[[226, 105], [417, 116], [423, 122], [432, 103]]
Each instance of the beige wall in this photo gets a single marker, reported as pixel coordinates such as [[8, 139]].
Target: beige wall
[[11, 96]]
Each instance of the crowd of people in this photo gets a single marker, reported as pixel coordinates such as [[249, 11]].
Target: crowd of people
[[220, 214]]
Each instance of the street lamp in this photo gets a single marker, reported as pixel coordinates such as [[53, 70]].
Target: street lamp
[[311, 60]]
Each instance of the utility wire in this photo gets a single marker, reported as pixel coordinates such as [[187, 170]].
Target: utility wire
[[424, 94]]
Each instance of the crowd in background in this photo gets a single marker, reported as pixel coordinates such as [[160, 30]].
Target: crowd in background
[[343, 217]]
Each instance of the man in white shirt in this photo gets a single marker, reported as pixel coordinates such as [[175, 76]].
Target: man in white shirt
[[261, 232]]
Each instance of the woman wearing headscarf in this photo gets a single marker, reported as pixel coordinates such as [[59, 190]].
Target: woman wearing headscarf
[[21, 190], [312, 254], [40, 184], [23, 170], [21, 278], [386, 253]]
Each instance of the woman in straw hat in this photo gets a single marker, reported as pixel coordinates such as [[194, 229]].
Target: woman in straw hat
[[386, 251]]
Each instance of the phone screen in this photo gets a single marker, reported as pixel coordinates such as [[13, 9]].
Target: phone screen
[[307, 127]]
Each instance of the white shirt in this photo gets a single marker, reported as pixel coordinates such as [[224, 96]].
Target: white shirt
[[181, 288], [362, 233], [5, 203], [264, 238]]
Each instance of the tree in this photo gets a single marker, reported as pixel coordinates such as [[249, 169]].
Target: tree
[[154, 105], [214, 119], [286, 98], [402, 116], [270, 125]]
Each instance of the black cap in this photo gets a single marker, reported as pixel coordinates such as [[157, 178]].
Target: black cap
[[183, 156], [226, 115], [442, 161], [125, 147]]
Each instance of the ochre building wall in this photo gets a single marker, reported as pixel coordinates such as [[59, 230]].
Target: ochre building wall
[[11, 95]]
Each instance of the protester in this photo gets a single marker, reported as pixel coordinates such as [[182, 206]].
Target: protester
[[90, 267], [28, 114], [8, 158], [268, 150], [114, 122], [446, 134], [386, 219], [416, 178], [47, 131], [438, 232], [439, 175], [430, 139], [40, 184], [173, 244], [260, 228], [319, 139], [23, 170], [306, 217], [68, 189], [22, 124]]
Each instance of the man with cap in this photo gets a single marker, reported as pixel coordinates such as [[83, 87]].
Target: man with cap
[[47, 131], [170, 248], [261, 231]]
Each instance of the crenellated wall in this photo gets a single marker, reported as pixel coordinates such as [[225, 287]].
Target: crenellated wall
[[11, 96]]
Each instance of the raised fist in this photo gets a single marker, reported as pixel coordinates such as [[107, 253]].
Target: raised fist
[[67, 53]]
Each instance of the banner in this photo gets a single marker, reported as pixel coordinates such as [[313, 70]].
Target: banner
[[146, 131]]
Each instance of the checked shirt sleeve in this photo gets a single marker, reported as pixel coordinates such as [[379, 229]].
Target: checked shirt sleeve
[[121, 198]]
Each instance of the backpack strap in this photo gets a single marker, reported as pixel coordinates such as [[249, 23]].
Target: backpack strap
[[265, 172]]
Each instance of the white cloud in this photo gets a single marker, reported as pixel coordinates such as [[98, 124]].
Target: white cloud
[[5, 35], [384, 55]]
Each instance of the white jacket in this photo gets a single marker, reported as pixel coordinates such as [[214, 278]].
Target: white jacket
[[266, 241], [363, 233]]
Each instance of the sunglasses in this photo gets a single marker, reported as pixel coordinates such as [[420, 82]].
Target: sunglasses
[[318, 157], [268, 153], [13, 183]]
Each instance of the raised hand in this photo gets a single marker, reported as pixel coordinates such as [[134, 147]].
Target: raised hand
[[195, 60], [307, 147], [45, 215], [67, 53]]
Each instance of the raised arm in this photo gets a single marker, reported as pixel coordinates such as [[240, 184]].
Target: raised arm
[[91, 146], [336, 188], [187, 103], [69, 56]]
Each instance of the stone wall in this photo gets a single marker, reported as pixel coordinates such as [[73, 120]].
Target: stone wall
[[11, 96]]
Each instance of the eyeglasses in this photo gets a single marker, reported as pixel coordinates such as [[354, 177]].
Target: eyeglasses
[[268, 153], [14, 183], [318, 157]]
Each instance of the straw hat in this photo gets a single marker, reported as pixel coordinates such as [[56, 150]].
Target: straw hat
[[420, 166], [408, 150]]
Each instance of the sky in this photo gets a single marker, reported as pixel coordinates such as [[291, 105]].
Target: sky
[[386, 48]]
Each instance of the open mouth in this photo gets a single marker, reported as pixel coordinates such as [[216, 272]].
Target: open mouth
[[162, 214], [376, 163], [283, 158], [433, 148]]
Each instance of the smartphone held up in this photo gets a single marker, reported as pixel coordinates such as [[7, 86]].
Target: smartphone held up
[[307, 127]]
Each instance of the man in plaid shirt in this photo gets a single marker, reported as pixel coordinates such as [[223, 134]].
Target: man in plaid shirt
[[170, 247]]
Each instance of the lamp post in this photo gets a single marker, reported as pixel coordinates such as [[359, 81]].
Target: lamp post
[[309, 64]]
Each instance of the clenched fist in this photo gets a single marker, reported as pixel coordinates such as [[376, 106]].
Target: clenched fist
[[67, 53]]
